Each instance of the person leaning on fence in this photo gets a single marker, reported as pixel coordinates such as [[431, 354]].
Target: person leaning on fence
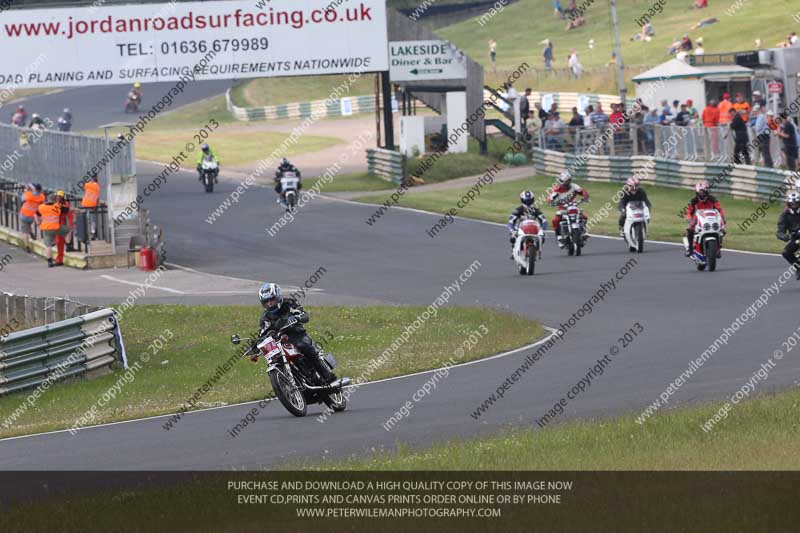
[[763, 134], [742, 106], [788, 132], [740, 137], [91, 198], [66, 225], [725, 107], [31, 200], [50, 215]]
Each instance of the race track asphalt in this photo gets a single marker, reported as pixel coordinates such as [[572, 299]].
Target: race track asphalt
[[105, 104], [682, 312]]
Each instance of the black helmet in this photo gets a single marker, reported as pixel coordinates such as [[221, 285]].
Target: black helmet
[[526, 197]]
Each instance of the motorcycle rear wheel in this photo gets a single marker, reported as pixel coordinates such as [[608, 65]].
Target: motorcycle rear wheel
[[294, 402]]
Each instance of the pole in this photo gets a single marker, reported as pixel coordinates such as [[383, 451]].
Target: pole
[[108, 199], [618, 52], [388, 120]]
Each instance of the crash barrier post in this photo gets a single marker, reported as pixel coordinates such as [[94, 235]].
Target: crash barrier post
[[74, 340], [740, 181], [387, 164]]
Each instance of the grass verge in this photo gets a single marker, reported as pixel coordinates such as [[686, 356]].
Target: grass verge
[[496, 202], [353, 182], [173, 374], [759, 434]]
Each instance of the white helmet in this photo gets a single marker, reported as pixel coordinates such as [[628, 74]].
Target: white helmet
[[270, 296], [565, 178], [793, 202]]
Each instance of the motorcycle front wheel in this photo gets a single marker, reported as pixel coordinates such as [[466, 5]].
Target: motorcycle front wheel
[[711, 254], [209, 181], [336, 401], [577, 241], [292, 400], [639, 237], [531, 260]]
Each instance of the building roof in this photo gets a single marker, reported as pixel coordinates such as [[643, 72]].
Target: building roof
[[677, 69]]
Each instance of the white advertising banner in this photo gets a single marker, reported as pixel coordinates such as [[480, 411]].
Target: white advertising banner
[[122, 44], [426, 60]]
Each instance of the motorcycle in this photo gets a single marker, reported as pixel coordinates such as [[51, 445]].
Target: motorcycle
[[64, 124], [573, 230], [289, 187], [637, 220], [209, 169], [132, 103], [293, 378], [528, 246], [708, 231]]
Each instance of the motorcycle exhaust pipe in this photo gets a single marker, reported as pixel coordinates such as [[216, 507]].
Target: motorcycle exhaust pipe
[[334, 386]]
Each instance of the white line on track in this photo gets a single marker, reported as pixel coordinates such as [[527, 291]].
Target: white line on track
[[193, 271], [167, 289], [359, 385]]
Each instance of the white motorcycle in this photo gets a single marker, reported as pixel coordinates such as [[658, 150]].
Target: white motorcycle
[[637, 220], [528, 246], [209, 169], [708, 232], [289, 187]]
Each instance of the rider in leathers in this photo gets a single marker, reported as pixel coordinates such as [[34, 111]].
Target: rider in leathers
[[526, 209], [789, 229], [702, 200], [280, 311], [632, 192], [562, 194], [285, 166]]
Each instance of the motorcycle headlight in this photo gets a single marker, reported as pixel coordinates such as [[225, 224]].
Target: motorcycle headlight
[[715, 226], [706, 226]]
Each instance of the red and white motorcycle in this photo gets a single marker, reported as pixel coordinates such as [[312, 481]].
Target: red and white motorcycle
[[294, 379], [708, 231], [528, 246]]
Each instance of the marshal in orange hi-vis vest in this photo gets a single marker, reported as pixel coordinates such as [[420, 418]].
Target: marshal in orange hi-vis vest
[[51, 217], [31, 203], [91, 194]]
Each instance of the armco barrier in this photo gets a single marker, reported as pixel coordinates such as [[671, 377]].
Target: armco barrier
[[82, 346], [740, 181], [317, 108], [387, 164]]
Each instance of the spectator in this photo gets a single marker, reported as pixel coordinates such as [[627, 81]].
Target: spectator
[[693, 114], [553, 108], [759, 100], [740, 137], [575, 64], [617, 121], [742, 106], [559, 11], [788, 132], [66, 224], [547, 54], [676, 108], [577, 120], [554, 132], [31, 200], [682, 117], [793, 39], [686, 44], [646, 34], [49, 213], [771, 122], [525, 106], [534, 126], [493, 54], [711, 121], [699, 50], [598, 118], [541, 112], [91, 198], [674, 47], [587, 116], [575, 23], [699, 4], [725, 107], [650, 120], [763, 134]]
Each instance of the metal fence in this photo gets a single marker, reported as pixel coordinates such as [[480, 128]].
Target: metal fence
[[687, 143], [83, 345], [60, 160]]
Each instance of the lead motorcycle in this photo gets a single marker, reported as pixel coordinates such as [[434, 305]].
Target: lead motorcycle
[[528, 246], [708, 231], [289, 188], [637, 220], [209, 170], [294, 379], [573, 232]]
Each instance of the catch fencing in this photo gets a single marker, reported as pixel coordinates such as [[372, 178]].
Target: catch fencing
[[60, 160], [687, 143], [73, 340], [740, 181], [387, 164]]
